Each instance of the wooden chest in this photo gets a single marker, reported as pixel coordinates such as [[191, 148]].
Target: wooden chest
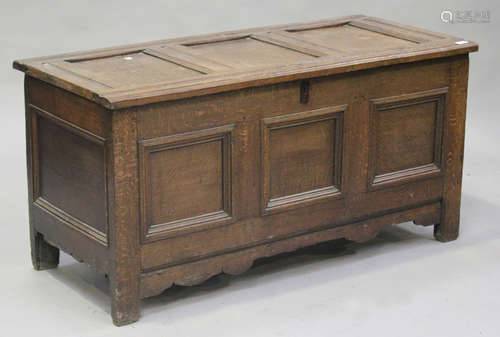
[[169, 162]]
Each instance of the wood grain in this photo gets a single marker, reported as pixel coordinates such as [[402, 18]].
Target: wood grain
[[301, 158], [448, 228], [406, 137], [124, 220], [236, 262], [153, 72], [71, 174], [192, 173], [170, 162]]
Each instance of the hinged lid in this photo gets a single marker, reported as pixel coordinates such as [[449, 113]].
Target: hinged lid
[[164, 70]]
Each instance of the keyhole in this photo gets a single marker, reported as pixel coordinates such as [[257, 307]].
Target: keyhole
[[304, 91]]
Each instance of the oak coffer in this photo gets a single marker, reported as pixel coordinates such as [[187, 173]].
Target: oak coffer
[[171, 161]]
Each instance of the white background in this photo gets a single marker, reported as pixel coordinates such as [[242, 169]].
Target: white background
[[403, 283]]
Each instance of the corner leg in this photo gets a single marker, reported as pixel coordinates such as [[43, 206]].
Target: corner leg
[[448, 226], [447, 229], [125, 266], [125, 301], [43, 254], [445, 233]]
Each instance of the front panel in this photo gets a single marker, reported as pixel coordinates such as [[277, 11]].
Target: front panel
[[301, 158], [406, 134], [297, 165], [185, 182]]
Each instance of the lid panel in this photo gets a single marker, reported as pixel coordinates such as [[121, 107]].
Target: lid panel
[[137, 68], [171, 69], [348, 39], [248, 52]]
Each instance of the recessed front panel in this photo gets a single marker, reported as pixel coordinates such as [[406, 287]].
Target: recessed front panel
[[185, 182], [301, 156], [406, 136]]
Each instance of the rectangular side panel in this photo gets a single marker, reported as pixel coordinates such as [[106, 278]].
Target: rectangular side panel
[[69, 172], [66, 141]]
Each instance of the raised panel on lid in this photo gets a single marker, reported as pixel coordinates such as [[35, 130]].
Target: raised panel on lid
[[349, 39], [247, 52], [138, 68]]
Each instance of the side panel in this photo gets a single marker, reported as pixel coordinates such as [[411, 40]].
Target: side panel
[[69, 178], [68, 171]]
